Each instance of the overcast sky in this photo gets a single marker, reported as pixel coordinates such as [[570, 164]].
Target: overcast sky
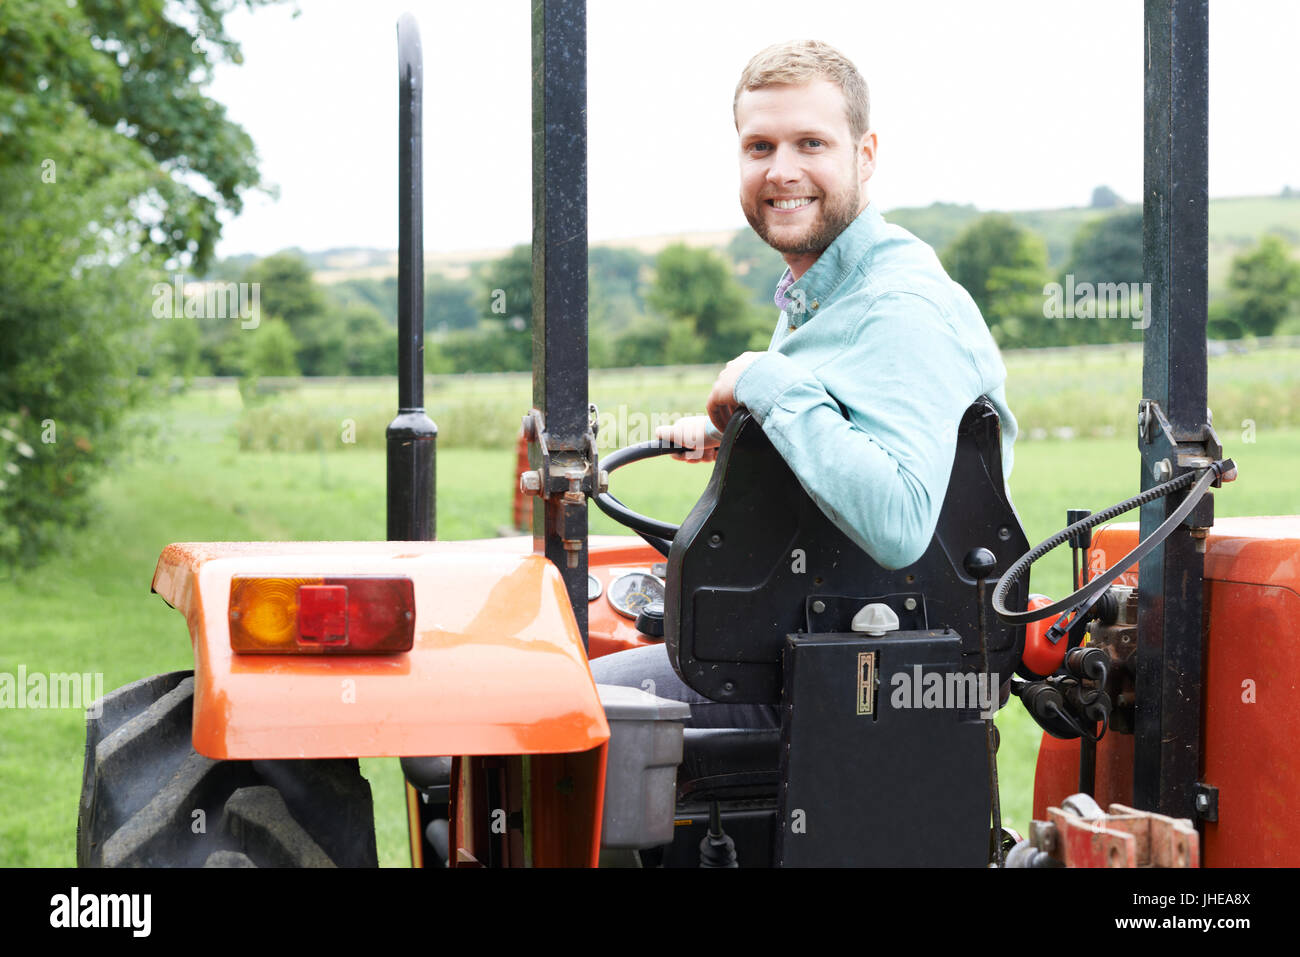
[[1006, 105]]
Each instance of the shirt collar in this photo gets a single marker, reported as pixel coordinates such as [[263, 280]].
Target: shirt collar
[[787, 280], [801, 299]]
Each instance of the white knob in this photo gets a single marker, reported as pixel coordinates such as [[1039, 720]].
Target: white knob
[[875, 619]]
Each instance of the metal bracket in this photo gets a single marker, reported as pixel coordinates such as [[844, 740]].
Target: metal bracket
[[1170, 455], [569, 475], [1207, 802], [1121, 837]]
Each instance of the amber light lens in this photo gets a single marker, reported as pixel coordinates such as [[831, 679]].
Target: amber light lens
[[359, 616]]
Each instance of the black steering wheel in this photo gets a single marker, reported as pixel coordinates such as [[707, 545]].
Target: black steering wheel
[[658, 534]]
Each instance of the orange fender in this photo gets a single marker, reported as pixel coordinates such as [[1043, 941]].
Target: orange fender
[[497, 665]]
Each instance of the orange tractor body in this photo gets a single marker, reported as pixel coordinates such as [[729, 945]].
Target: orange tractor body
[[1252, 677]]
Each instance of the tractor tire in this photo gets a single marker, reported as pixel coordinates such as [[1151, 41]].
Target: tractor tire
[[148, 799]]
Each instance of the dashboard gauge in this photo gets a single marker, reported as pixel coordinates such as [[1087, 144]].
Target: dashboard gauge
[[593, 587], [633, 591]]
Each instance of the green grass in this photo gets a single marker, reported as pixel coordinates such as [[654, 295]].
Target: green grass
[[1243, 219], [1087, 392], [88, 609]]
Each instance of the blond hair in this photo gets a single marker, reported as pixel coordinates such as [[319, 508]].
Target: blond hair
[[799, 61]]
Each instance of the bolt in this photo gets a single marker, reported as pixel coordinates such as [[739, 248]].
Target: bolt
[[1162, 471], [530, 482], [1042, 834], [910, 604], [602, 481], [575, 495], [819, 606]]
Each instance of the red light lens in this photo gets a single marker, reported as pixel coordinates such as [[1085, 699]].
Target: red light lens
[[322, 615], [323, 612], [381, 613]]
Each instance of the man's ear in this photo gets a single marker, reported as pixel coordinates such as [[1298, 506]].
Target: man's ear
[[866, 156]]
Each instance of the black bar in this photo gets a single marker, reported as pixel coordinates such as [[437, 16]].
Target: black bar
[[1175, 232], [412, 436], [410, 216], [560, 276]]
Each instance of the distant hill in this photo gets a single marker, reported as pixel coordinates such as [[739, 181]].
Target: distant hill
[[1235, 223]]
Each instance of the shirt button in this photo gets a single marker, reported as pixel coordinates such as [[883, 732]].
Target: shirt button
[[791, 327], [815, 303]]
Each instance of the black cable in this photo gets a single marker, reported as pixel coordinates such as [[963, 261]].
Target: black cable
[[1083, 599], [1071, 723]]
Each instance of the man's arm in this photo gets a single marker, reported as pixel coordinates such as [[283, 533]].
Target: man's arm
[[881, 475]]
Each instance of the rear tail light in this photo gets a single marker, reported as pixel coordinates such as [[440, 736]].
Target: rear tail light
[[358, 616]]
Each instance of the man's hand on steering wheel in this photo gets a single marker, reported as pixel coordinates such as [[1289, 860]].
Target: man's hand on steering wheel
[[722, 403], [696, 434]]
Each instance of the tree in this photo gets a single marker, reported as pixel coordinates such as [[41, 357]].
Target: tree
[[1108, 249], [619, 268], [507, 293], [1004, 268], [288, 290], [448, 303], [1263, 286], [1103, 197], [114, 166], [133, 77], [507, 306], [176, 350], [758, 266], [710, 318], [371, 343], [616, 290], [267, 350]]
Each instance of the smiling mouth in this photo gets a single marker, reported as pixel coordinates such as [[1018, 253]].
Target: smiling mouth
[[798, 202]]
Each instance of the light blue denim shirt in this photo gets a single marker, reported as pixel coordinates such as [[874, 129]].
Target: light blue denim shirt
[[876, 328]]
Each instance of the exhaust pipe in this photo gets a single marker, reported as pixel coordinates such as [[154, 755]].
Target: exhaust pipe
[[412, 436]]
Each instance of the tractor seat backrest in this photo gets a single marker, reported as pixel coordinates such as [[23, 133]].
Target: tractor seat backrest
[[756, 560]]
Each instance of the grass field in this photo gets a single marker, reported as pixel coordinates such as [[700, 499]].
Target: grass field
[[88, 609]]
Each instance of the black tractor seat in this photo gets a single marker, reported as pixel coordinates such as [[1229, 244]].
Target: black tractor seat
[[726, 764], [762, 595]]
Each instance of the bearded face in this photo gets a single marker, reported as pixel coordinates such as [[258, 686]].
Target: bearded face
[[802, 174], [803, 222]]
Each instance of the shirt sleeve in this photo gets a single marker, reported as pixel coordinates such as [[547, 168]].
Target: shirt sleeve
[[905, 379]]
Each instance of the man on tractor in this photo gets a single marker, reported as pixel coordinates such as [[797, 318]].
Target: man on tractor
[[876, 355]]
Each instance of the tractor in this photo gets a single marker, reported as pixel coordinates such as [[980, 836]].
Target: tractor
[[470, 660]]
